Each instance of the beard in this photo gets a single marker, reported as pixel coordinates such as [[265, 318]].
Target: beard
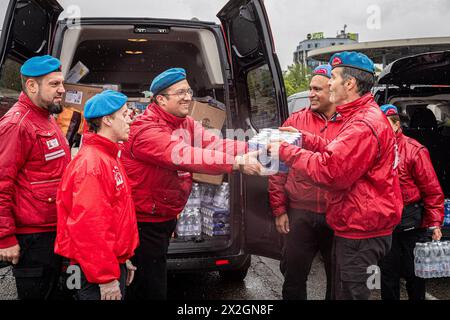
[[54, 108]]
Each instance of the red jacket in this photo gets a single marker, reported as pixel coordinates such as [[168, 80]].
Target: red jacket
[[418, 180], [96, 219], [33, 156], [358, 167], [287, 190], [160, 155]]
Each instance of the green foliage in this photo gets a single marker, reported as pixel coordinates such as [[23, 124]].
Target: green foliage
[[296, 78]]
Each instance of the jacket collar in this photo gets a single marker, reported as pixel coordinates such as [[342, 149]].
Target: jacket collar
[[335, 117], [399, 135], [160, 113], [102, 143], [25, 100], [350, 108]]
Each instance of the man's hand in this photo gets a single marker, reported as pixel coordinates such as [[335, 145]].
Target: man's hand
[[110, 291], [273, 149], [437, 234], [288, 129], [130, 275], [248, 164], [11, 254], [282, 223]]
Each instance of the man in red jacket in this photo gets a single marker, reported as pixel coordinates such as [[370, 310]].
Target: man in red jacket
[[423, 201], [358, 167], [164, 148], [298, 206], [33, 156], [97, 227]]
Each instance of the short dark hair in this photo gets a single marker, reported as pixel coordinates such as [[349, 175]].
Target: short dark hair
[[94, 124], [364, 80], [24, 80], [161, 93]]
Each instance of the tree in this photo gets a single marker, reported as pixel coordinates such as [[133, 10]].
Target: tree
[[296, 78]]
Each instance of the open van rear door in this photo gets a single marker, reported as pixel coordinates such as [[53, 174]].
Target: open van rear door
[[28, 28], [261, 102]]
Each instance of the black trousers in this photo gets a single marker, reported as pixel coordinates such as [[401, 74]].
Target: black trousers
[[399, 263], [352, 262], [150, 279], [91, 291], [38, 271], [309, 234]]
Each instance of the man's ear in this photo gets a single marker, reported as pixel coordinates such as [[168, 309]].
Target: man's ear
[[160, 99], [351, 84], [32, 86], [106, 120]]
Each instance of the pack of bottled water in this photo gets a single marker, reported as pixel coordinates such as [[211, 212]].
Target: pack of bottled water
[[222, 196], [265, 136], [432, 259], [447, 212], [216, 221], [208, 193], [189, 224]]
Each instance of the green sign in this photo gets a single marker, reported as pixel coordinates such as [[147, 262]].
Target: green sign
[[317, 35]]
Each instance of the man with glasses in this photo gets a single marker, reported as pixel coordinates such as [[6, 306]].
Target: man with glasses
[[165, 147]]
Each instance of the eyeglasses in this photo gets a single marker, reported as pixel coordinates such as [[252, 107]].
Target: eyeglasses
[[180, 93]]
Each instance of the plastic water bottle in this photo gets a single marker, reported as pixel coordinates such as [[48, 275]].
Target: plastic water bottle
[[447, 212], [195, 197], [208, 192], [181, 225], [222, 196], [418, 259]]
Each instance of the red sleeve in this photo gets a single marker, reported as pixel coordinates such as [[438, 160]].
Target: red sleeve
[[277, 195], [174, 151], [344, 160], [312, 142], [430, 190], [211, 140], [12, 157], [91, 229]]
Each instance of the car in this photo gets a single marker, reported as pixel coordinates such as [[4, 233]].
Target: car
[[298, 101], [234, 62], [419, 86]]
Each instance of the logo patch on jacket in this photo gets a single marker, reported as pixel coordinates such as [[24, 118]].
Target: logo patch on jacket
[[183, 174], [52, 144], [118, 177]]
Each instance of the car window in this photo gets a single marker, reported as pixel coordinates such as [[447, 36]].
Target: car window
[[263, 107]]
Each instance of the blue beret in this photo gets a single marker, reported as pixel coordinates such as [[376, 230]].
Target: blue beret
[[352, 59], [323, 70], [40, 66], [166, 79], [389, 110], [104, 103]]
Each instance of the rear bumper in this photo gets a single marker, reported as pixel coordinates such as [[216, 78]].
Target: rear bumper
[[208, 263]]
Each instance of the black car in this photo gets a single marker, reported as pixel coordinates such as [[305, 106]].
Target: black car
[[419, 86], [234, 63]]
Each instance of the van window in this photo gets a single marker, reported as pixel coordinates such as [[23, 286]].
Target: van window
[[263, 108], [10, 85]]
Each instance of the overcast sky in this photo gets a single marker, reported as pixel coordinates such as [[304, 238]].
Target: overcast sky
[[292, 20]]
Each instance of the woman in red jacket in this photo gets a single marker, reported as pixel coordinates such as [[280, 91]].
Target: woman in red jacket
[[423, 208], [97, 227]]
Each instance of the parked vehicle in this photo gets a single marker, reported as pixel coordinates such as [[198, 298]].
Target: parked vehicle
[[234, 63], [419, 86], [298, 101]]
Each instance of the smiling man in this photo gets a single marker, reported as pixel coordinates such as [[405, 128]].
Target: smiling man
[[165, 147], [299, 206], [33, 156], [359, 168]]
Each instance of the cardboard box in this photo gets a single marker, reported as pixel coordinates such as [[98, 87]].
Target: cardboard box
[[77, 94], [211, 118]]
